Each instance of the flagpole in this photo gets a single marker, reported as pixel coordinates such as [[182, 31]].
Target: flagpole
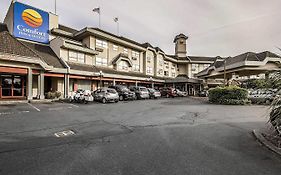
[[55, 6], [116, 19], [118, 28], [99, 20]]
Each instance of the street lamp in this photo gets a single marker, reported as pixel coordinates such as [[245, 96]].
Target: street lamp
[[151, 80], [101, 75]]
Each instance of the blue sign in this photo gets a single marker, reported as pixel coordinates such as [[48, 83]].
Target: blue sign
[[31, 23]]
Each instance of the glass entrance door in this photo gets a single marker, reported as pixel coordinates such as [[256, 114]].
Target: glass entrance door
[[12, 86], [7, 83], [17, 86]]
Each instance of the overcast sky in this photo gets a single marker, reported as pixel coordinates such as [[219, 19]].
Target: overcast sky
[[214, 27]]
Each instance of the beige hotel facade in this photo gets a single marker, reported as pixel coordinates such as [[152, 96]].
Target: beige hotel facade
[[87, 59]]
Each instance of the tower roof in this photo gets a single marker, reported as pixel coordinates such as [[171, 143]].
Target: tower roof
[[179, 36]]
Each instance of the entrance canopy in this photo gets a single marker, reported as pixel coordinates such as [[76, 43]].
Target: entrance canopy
[[246, 64]]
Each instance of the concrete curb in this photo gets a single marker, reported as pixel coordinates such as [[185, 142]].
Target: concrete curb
[[13, 102], [257, 134]]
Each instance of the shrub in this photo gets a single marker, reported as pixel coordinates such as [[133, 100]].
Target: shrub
[[53, 95], [231, 95], [57, 94]]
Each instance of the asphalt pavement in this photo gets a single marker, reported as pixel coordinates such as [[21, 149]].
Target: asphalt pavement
[[148, 137]]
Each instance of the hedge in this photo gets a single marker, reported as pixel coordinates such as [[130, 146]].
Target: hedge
[[231, 95]]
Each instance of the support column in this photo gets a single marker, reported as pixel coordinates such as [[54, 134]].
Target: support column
[[41, 81], [173, 85], [136, 83], [66, 85], [114, 82], [38, 87], [185, 88], [152, 85], [29, 84], [194, 90]]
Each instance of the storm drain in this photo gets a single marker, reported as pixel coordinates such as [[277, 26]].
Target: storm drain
[[65, 133]]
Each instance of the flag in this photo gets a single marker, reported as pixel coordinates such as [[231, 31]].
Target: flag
[[116, 19], [97, 10]]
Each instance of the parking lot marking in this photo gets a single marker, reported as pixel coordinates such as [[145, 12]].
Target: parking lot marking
[[64, 133], [34, 107], [74, 105], [10, 113]]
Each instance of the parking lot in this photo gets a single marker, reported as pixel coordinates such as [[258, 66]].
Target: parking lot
[[164, 136]]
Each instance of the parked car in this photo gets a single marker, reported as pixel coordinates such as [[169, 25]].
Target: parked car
[[168, 92], [261, 96], [124, 93], [153, 93], [81, 96], [141, 92], [105, 95], [203, 93], [181, 93]]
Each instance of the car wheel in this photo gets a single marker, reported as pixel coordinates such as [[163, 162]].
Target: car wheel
[[116, 101], [121, 98], [103, 100]]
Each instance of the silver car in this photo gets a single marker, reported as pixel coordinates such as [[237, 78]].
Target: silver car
[[105, 95], [141, 92]]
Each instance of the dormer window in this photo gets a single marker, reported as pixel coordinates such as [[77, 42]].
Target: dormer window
[[76, 57], [115, 47], [135, 54], [125, 51]]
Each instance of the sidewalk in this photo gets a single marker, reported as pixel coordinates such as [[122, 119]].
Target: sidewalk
[[268, 139], [11, 102]]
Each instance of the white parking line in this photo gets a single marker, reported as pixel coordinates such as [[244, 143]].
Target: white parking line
[[74, 105], [10, 113], [34, 107]]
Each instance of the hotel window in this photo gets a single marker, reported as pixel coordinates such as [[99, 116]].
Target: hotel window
[[194, 67], [160, 72], [125, 51], [206, 66], [76, 57], [166, 64], [161, 62], [135, 54], [101, 43], [148, 59], [136, 67], [149, 70], [166, 73], [123, 65], [101, 61], [173, 74], [115, 48]]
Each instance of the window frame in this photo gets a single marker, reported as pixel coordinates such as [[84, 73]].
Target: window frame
[[101, 62]]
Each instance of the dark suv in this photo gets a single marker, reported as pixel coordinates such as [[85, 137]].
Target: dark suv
[[168, 92], [124, 93]]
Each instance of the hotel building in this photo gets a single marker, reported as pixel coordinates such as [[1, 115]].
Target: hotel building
[[70, 59], [39, 55]]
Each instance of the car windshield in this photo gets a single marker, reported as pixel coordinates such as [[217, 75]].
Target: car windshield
[[143, 89], [151, 90], [123, 88], [111, 91]]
